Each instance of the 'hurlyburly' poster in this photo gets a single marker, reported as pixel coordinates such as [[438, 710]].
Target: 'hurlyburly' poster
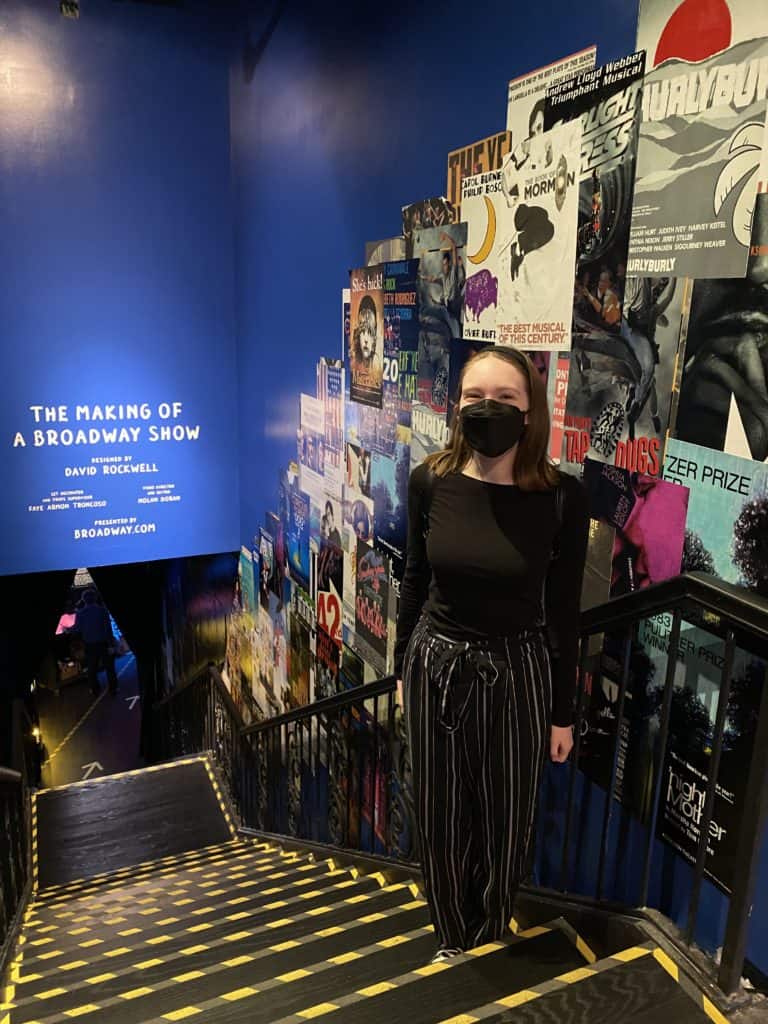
[[537, 251], [477, 158], [701, 139], [366, 338]]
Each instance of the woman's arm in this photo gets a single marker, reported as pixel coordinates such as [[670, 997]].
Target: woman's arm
[[413, 592], [563, 597]]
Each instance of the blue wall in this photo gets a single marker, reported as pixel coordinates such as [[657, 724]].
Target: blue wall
[[348, 117], [117, 266]]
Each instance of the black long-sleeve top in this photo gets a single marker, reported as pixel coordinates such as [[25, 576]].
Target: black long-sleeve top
[[487, 555]]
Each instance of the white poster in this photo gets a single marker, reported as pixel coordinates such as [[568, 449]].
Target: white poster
[[525, 95], [536, 241]]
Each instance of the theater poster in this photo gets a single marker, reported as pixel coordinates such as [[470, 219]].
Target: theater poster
[[487, 214], [476, 158], [701, 138], [366, 335], [537, 245], [371, 606], [621, 396], [607, 102], [525, 96]]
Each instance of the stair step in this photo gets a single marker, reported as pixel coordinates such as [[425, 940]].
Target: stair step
[[435, 991], [143, 924], [143, 873], [630, 987], [246, 877], [172, 809], [221, 941], [287, 976]]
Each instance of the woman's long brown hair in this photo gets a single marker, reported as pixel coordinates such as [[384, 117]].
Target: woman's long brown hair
[[533, 469]]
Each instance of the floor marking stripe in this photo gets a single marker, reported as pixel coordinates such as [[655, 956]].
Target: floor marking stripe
[[201, 855], [57, 750], [71, 916], [527, 995], [274, 982], [115, 882]]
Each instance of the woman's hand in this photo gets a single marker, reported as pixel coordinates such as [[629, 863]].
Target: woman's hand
[[561, 743]]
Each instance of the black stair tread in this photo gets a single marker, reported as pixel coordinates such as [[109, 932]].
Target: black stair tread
[[640, 992], [406, 942], [188, 951], [145, 909], [165, 867], [81, 829], [244, 907], [603, 933], [117, 901], [457, 986]]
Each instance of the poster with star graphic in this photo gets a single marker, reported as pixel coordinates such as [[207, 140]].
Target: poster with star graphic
[[701, 136]]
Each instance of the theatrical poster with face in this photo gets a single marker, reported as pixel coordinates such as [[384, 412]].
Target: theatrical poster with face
[[371, 606], [536, 241], [701, 138], [477, 158], [525, 97], [621, 394], [366, 337]]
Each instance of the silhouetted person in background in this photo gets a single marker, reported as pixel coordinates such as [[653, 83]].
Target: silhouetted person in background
[[95, 628]]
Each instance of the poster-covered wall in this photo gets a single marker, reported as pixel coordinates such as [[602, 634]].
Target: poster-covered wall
[[118, 439], [613, 367]]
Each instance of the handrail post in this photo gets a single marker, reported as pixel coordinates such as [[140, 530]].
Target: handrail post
[[753, 820], [666, 714], [709, 800]]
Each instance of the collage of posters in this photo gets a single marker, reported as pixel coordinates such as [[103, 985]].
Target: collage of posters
[[615, 228]]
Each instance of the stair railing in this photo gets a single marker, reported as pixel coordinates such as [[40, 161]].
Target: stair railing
[[335, 772], [15, 839]]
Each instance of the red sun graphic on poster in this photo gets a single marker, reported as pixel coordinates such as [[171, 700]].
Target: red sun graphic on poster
[[696, 30]]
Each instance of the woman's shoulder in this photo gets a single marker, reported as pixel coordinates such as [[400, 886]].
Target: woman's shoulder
[[575, 495], [422, 477]]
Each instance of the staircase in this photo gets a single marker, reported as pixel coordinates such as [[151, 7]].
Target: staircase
[[225, 930]]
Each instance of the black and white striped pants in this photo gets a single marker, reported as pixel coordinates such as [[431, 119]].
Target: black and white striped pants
[[478, 719]]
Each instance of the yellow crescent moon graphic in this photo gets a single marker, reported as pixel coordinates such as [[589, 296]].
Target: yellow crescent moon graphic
[[484, 251]]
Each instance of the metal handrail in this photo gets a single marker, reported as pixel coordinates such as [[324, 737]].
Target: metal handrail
[[9, 775], [328, 704], [711, 603], [743, 608]]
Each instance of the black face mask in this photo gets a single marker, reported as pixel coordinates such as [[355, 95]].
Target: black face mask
[[492, 428]]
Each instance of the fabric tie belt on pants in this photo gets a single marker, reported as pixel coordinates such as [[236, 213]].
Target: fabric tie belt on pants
[[461, 662]]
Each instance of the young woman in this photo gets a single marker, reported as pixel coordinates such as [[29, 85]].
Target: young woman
[[488, 538]]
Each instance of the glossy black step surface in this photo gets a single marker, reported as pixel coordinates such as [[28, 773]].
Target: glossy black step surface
[[636, 993], [447, 993], [120, 821]]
